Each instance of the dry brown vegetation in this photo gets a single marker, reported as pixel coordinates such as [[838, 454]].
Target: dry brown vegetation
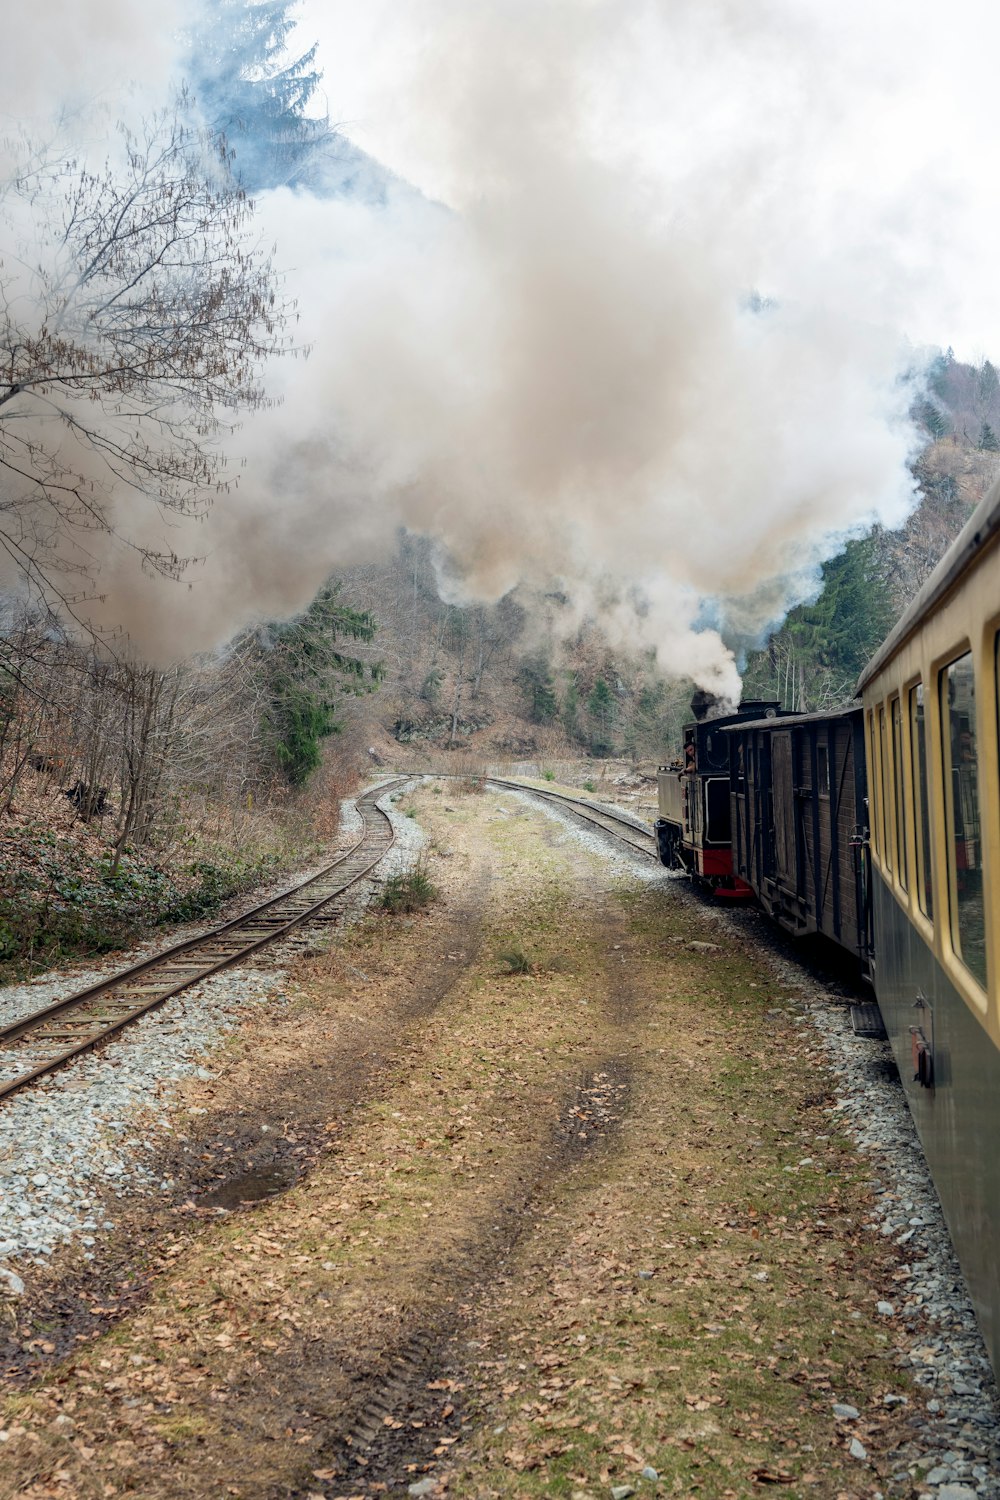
[[565, 1223]]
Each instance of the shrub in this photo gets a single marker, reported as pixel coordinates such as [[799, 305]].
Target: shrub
[[517, 961], [549, 775], [57, 900], [408, 893]]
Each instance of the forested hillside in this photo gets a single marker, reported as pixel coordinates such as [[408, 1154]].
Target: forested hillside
[[815, 659], [133, 793]]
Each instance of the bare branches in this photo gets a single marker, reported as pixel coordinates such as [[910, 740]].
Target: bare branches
[[135, 316]]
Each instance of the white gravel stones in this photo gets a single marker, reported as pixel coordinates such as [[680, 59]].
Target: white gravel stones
[[64, 1143], [622, 862], [92, 1128], [10, 1283], [410, 839]]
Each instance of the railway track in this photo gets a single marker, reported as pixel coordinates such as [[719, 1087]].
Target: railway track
[[617, 824], [45, 1040]]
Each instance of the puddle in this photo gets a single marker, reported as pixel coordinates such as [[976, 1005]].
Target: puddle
[[249, 1187]]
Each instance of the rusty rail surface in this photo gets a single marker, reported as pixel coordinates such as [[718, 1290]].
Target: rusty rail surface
[[49, 1038]]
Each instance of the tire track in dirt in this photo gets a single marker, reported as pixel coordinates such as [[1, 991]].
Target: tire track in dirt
[[411, 1403], [272, 1133], [407, 1404]]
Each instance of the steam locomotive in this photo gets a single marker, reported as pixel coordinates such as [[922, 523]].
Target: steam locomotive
[[879, 826]]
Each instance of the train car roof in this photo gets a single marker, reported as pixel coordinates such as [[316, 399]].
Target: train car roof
[[790, 721], [980, 528]]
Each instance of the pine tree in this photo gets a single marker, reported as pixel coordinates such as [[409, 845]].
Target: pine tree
[[251, 91], [987, 385], [536, 680], [988, 439], [601, 706], [571, 706], [850, 618], [932, 419], [306, 671]]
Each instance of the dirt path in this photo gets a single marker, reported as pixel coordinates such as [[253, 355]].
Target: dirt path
[[530, 1233]]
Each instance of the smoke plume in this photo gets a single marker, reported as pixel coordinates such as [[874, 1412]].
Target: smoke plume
[[643, 336], [61, 57]]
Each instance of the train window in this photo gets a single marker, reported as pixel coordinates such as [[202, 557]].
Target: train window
[[921, 805], [958, 714], [897, 770], [884, 803], [873, 811], [823, 770]]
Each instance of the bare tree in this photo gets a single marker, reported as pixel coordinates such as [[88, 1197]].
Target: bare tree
[[134, 319]]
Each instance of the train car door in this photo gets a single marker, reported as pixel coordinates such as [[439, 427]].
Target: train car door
[[783, 806]]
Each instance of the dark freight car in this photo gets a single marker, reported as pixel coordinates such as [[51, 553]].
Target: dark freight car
[[799, 817]]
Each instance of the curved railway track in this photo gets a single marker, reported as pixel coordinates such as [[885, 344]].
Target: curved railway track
[[617, 824], [47, 1039]]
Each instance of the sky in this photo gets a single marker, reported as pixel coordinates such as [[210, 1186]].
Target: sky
[[652, 351]]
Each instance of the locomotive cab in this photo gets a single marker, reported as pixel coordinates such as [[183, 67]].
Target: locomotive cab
[[693, 831]]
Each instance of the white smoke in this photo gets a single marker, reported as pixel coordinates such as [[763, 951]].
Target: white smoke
[[61, 58], [560, 373]]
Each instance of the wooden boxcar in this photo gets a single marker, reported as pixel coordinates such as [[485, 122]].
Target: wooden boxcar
[[799, 813]]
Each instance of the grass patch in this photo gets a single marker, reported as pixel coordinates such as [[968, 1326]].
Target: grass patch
[[406, 893], [516, 961]]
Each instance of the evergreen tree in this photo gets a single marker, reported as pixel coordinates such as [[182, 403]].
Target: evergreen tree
[[571, 706], [852, 615], [988, 439], [818, 655], [937, 375], [305, 672], [987, 385], [253, 92], [539, 689], [601, 707], [934, 420]]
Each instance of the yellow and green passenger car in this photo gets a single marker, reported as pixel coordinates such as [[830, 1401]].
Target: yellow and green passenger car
[[932, 744]]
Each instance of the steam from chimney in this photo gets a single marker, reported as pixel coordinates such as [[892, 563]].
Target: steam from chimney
[[560, 368], [66, 55]]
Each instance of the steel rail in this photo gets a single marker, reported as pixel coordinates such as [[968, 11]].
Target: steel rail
[[600, 817], [224, 946]]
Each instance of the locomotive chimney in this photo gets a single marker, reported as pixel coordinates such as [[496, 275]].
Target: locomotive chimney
[[705, 705]]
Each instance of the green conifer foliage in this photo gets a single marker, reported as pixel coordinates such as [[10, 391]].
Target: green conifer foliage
[[601, 707], [253, 91], [306, 672], [539, 690]]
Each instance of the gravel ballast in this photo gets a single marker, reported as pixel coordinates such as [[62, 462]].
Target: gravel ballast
[[94, 1127]]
